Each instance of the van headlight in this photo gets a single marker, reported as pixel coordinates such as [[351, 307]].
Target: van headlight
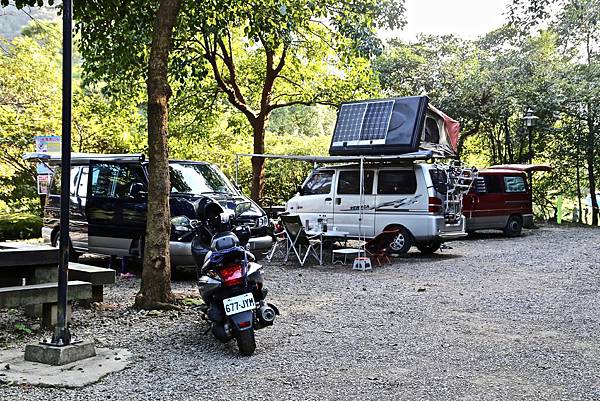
[[181, 224], [262, 221]]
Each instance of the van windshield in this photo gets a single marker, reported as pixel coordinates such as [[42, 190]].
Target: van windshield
[[196, 178]]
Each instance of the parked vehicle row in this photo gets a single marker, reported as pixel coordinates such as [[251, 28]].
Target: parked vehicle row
[[109, 202]]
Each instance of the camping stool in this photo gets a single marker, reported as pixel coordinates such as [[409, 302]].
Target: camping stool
[[343, 252], [362, 263]]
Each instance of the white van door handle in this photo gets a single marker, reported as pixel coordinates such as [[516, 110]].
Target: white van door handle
[[328, 199], [338, 201]]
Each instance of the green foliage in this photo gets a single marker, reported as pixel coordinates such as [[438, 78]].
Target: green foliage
[[30, 105], [19, 226]]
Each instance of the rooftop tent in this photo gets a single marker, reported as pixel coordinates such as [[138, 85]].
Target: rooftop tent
[[393, 126]]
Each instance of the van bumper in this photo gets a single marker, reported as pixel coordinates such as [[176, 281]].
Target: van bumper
[[528, 220], [181, 252], [438, 229]]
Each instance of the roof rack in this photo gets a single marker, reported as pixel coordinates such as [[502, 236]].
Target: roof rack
[[414, 156], [83, 158]]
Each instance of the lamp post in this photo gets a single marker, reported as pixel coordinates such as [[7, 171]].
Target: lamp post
[[530, 120], [62, 336]]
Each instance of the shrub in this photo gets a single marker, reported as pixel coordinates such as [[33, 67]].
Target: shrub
[[20, 226]]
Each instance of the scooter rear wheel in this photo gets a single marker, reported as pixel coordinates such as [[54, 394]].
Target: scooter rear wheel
[[246, 342]]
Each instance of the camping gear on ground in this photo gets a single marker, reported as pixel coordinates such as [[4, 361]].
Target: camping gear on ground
[[298, 242], [230, 282], [379, 246]]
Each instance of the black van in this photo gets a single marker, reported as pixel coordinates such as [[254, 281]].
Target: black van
[[109, 203]]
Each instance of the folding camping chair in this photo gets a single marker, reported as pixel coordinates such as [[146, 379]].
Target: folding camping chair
[[280, 242], [378, 247], [297, 239]]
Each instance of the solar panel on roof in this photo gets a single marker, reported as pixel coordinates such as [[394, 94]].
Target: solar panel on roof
[[382, 126], [363, 123]]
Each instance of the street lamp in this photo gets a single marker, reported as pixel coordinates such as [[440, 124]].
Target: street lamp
[[530, 120]]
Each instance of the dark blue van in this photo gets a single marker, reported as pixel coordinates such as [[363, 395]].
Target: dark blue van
[[109, 203]]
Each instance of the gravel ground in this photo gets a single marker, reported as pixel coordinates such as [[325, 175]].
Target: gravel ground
[[491, 319]]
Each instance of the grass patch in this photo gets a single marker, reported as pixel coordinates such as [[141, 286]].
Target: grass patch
[[19, 226]]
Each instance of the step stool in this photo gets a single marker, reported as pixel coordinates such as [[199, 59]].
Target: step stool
[[362, 263]]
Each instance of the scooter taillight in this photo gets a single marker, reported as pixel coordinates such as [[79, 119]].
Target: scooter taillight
[[231, 275]]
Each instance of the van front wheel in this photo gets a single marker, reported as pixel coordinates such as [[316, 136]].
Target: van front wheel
[[401, 242]]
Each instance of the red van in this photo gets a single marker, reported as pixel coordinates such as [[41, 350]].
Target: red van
[[500, 199]]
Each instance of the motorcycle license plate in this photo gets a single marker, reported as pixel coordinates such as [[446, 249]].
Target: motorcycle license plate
[[238, 304]]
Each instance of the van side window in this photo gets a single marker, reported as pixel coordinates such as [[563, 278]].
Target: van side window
[[83, 182], [492, 184], [514, 184], [394, 182], [114, 180], [319, 183], [349, 182]]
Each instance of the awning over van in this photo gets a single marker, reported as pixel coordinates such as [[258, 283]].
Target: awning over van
[[526, 168], [407, 157], [393, 126]]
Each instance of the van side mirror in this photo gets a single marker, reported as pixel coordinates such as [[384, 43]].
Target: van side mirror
[[300, 190]]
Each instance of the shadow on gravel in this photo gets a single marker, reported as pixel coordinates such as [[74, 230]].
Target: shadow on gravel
[[446, 255]]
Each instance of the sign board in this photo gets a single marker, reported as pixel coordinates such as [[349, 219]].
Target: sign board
[[43, 181], [46, 144]]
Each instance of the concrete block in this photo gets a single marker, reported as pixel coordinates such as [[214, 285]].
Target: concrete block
[[51, 355], [74, 375]]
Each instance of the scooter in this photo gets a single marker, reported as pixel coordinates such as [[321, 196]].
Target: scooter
[[230, 282]]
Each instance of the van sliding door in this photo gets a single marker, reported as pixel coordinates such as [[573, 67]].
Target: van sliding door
[[347, 203], [116, 207]]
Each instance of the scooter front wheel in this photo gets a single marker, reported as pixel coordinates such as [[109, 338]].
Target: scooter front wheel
[[246, 341]]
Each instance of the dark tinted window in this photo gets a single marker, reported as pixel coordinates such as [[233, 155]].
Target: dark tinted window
[[492, 184], [114, 180], [514, 184], [393, 182], [55, 181], [349, 182], [319, 183], [439, 178]]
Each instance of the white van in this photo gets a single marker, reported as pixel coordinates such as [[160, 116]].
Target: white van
[[415, 198]]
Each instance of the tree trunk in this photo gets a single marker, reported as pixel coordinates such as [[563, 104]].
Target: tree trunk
[[155, 290], [590, 155], [258, 163], [507, 139]]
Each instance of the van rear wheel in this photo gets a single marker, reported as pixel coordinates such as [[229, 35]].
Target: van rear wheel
[[513, 226], [401, 242], [428, 248]]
